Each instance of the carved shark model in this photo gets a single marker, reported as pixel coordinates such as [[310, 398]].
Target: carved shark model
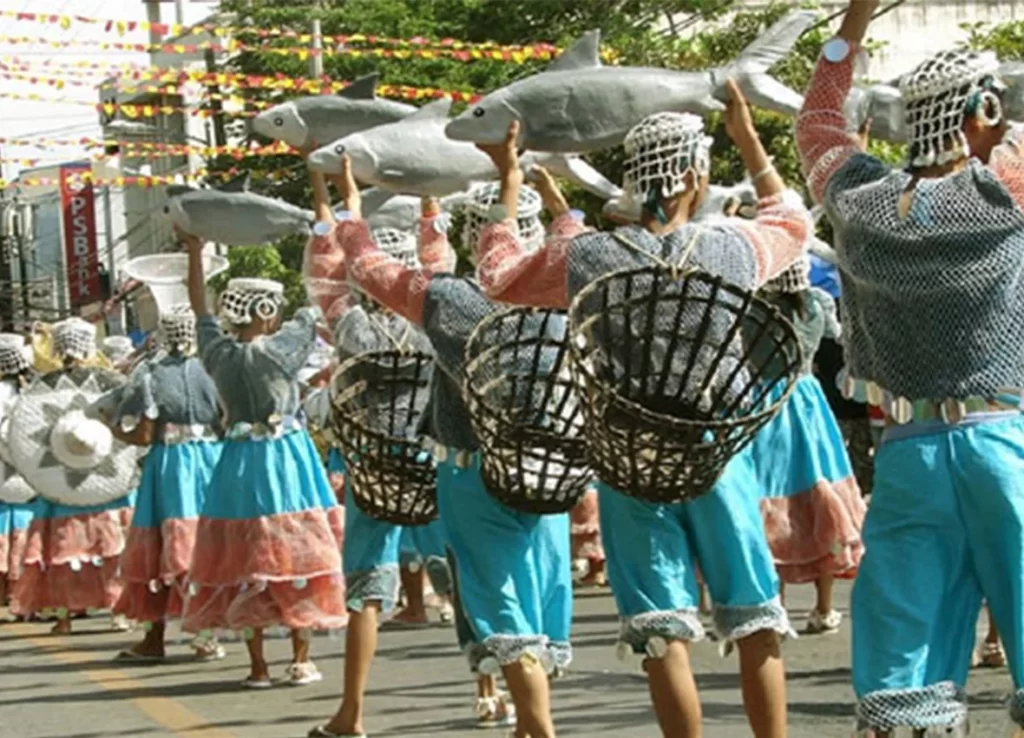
[[320, 119], [578, 105], [234, 216]]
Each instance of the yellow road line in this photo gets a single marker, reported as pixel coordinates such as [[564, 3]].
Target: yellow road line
[[168, 713]]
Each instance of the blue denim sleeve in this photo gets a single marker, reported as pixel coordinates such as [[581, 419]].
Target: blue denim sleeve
[[291, 346]]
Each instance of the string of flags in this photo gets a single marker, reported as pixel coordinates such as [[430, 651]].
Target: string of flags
[[153, 180]]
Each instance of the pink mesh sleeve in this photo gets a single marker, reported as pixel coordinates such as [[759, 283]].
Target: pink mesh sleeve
[[822, 137], [778, 235], [436, 252], [384, 278], [564, 228], [323, 272], [1007, 163], [508, 274]]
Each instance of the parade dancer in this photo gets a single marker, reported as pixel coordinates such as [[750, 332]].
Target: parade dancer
[[587, 552], [933, 306], [169, 406], [15, 518], [268, 542], [812, 505], [73, 553], [653, 550], [511, 569]]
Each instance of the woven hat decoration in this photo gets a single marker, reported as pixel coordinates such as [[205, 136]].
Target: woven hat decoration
[[401, 245], [178, 326], [246, 296], [118, 348], [940, 94], [661, 152], [13, 357], [528, 207], [74, 338]]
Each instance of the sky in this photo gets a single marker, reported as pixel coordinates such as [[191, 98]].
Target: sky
[[54, 120]]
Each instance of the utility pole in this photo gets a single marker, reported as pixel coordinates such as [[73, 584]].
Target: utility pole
[[6, 295], [316, 58], [19, 243]]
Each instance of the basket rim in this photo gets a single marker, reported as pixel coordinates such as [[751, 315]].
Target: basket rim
[[578, 365]]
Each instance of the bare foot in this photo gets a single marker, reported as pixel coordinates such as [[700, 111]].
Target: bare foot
[[63, 627], [410, 617]]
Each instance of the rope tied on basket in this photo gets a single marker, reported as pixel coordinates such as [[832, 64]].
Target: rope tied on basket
[[675, 270]]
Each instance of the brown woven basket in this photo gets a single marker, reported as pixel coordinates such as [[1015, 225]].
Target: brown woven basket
[[378, 399], [524, 411], [676, 375]]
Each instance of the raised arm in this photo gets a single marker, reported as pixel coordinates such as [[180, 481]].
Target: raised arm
[[778, 235], [435, 251], [822, 138], [1007, 162], [387, 280], [196, 277]]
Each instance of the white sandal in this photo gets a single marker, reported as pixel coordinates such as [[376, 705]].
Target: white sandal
[[301, 675], [495, 712], [250, 683]]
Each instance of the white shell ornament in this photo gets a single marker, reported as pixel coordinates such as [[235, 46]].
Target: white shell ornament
[[60, 450]]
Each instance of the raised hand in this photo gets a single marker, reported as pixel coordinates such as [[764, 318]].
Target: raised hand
[[739, 123], [554, 201], [349, 189], [506, 156]]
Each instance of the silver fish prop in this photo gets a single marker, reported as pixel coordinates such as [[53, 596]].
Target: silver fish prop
[[234, 216], [717, 197], [383, 209], [323, 118], [578, 105]]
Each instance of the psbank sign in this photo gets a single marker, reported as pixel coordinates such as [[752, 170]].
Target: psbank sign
[[78, 208]]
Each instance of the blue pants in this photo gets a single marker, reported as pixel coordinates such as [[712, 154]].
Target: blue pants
[[369, 558], [945, 528], [512, 572], [426, 545], [654, 550]]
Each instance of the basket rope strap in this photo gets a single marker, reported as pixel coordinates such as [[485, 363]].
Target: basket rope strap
[[401, 344], [674, 269]]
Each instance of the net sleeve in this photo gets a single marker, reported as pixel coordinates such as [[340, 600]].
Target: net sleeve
[[291, 346], [508, 274], [213, 342], [436, 252], [323, 274], [822, 138], [778, 235], [1007, 163], [387, 280]]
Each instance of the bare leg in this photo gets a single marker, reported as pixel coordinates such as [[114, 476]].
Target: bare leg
[[63, 625], [824, 587], [531, 693], [258, 670], [300, 646], [993, 631], [415, 610], [763, 680], [360, 646], [674, 692], [152, 643]]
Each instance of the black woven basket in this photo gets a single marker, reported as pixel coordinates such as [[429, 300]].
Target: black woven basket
[[676, 375], [524, 412], [378, 399]]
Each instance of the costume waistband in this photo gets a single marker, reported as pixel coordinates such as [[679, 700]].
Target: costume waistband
[[461, 458], [170, 434], [276, 426], [931, 427]]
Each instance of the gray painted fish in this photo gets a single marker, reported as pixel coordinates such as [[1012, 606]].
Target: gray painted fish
[[579, 105], [320, 119], [234, 216]]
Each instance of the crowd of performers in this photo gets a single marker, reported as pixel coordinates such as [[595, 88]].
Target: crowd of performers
[[239, 524]]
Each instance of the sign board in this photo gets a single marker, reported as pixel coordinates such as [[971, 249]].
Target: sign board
[[78, 216]]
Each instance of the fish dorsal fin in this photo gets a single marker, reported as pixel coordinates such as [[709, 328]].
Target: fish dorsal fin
[[585, 53], [364, 88], [437, 110], [238, 184]]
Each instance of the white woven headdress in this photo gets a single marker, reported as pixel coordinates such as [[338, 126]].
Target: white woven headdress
[[661, 151], [939, 96], [178, 326], [398, 244], [118, 348], [13, 359], [477, 216], [245, 297], [74, 338]]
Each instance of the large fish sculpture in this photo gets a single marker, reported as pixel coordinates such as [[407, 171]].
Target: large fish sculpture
[[319, 119], [579, 105], [233, 216]]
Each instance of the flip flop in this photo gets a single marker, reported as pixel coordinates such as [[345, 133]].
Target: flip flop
[[127, 655], [402, 625], [250, 683], [322, 732]]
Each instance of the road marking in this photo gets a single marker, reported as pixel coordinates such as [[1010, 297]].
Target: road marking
[[167, 713]]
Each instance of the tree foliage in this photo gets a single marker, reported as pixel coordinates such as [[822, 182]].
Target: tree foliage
[[672, 34]]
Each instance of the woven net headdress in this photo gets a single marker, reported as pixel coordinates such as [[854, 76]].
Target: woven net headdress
[[74, 338], [246, 297], [178, 326], [398, 244], [528, 207], [661, 153], [13, 358], [941, 94]]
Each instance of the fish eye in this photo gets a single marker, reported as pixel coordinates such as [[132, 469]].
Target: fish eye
[[279, 121], [167, 209], [339, 149], [479, 113]]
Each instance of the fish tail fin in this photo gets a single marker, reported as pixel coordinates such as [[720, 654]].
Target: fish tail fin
[[750, 69]]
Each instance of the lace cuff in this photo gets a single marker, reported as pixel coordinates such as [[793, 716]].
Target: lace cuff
[[380, 584], [734, 623], [941, 708], [505, 649], [647, 634]]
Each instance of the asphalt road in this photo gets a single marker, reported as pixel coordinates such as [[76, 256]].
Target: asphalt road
[[68, 687]]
